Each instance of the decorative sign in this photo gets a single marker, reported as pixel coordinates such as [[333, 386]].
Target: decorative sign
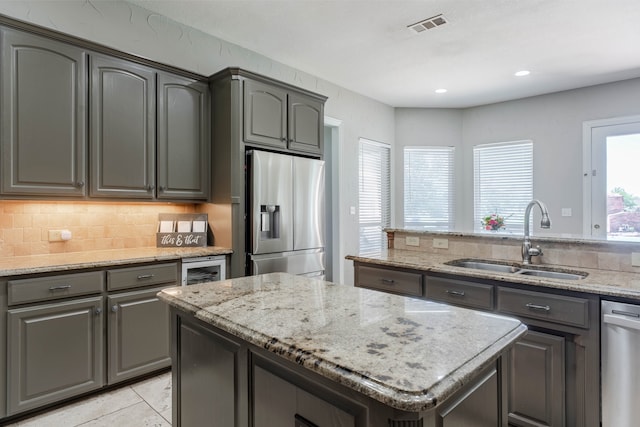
[[175, 230]]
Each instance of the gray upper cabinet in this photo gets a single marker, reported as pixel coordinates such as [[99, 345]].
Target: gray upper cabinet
[[122, 142], [282, 118], [306, 121], [265, 114], [183, 138], [43, 116]]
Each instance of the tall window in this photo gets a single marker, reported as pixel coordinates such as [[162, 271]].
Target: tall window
[[429, 188], [375, 195], [502, 183]]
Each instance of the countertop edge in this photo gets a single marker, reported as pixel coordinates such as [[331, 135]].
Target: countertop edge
[[56, 263]]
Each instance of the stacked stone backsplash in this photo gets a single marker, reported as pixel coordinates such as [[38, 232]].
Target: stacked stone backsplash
[[605, 255]]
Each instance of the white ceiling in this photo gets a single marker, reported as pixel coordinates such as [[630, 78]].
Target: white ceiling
[[365, 46]]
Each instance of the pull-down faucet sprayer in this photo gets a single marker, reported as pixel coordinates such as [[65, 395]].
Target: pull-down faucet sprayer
[[527, 250]]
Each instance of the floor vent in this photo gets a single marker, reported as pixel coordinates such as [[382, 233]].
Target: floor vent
[[428, 24]]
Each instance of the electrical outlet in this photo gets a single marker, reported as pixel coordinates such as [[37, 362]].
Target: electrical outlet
[[635, 259], [412, 241], [441, 243], [566, 212], [55, 235]]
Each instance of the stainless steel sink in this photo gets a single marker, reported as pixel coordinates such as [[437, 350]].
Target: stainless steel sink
[[506, 268], [553, 274], [484, 265]]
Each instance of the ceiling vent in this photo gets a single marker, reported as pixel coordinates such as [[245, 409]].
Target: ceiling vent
[[428, 24]]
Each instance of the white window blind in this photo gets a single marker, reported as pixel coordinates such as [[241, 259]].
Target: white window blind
[[429, 188], [375, 195], [503, 182]]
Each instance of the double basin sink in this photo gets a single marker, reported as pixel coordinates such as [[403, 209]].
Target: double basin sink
[[525, 271]]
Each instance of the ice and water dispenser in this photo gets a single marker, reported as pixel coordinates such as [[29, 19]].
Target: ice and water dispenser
[[269, 222]]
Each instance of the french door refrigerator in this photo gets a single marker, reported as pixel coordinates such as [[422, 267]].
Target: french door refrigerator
[[286, 216]]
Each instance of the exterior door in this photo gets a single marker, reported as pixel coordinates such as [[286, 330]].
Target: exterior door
[[612, 210], [42, 116], [183, 138], [123, 125], [55, 351]]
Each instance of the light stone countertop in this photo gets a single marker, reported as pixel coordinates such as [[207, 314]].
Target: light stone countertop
[[19, 265], [599, 282], [407, 353]]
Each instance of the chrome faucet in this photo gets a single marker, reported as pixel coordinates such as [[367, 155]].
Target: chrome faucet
[[527, 250]]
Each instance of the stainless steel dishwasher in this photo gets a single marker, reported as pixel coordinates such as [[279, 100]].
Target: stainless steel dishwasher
[[620, 347]]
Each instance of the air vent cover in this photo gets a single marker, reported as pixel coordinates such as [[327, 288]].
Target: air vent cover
[[428, 24]]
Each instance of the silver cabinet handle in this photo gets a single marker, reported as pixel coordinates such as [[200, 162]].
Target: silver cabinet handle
[[114, 308], [80, 184], [538, 307], [389, 281], [59, 287], [145, 276], [161, 188], [98, 310], [455, 293], [150, 187]]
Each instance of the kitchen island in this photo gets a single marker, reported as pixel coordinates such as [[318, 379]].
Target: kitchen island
[[279, 349]]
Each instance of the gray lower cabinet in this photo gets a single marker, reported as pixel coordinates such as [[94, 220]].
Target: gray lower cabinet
[[183, 138], [138, 334], [43, 122], [123, 126], [55, 351], [277, 402], [536, 378]]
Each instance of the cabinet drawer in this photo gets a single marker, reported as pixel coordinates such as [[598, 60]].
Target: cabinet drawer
[[537, 305], [458, 292], [23, 291], [398, 282], [135, 277]]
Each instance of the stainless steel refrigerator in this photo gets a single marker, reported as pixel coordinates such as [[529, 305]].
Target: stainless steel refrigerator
[[286, 214]]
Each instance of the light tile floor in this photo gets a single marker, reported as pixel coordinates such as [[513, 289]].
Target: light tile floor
[[146, 403]]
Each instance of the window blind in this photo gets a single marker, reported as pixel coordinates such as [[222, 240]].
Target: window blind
[[374, 195], [503, 182], [429, 188]]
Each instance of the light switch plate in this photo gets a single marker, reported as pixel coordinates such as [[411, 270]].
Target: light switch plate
[[441, 243], [412, 241], [635, 259], [352, 210], [55, 235], [566, 212]]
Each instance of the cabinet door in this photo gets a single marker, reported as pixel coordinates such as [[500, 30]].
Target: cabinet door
[[55, 351], [306, 124], [138, 332], [537, 381], [43, 116], [183, 138], [265, 114], [122, 129]]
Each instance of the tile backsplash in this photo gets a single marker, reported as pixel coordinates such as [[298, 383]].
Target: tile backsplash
[[25, 225], [603, 255]]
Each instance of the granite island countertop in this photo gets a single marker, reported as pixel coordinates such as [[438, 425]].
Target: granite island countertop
[[599, 282], [19, 265], [407, 353]]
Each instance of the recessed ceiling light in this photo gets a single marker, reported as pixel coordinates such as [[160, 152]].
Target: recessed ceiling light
[[441, 90], [522, 73]]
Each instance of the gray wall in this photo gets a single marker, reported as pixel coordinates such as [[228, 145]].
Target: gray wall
[[553, 122], [128, 28]]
